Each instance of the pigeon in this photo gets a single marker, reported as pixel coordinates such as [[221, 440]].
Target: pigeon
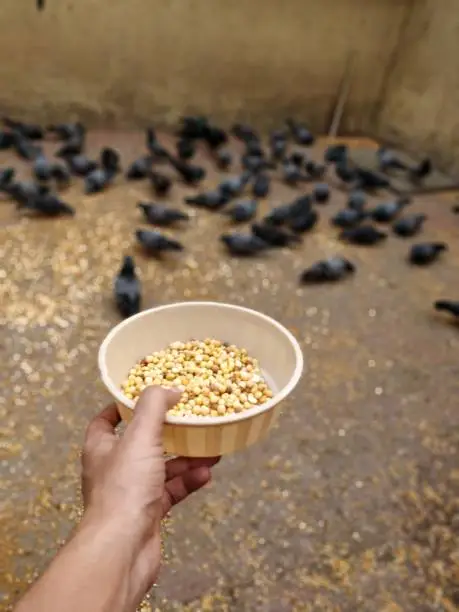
[[154, 146], [408, 226], [278, 148], [42, 168], [25, 148], [139, 168], [292, 174], [344, 172], [255, 163], [315, 171], [365, 235], [279, 215], [47, 205], [387, 211], [243, 245], [371, 181], [388, 160], [297, 159], [6, 140], [127, 289], [67, 131], [212, 200], [80, 165], [448, 306], [189, 173], [253, 148], [193, 127], [304, 222], [61, 175], [110, 159], [336, 153], [425, 253], [97, 180], [328, 270], [185, 148], [155, 242], [157, 214], [72, 147], [321, 193], [223, 159], [23, 191], [357, 200], [234, 186], [242, 211], [419, 172], [261, 185], [278, 135], [6, 176], [100, 178], [214, 136], [160, 182], [244, 133], [301, 135], [348, 217], [29, 131], [282, 214], [300, 206], [274, 236]]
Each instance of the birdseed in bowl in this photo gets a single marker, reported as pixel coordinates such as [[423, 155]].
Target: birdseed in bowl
[[218, 378]]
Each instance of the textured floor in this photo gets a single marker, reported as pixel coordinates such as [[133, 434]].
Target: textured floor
[[353, 501]]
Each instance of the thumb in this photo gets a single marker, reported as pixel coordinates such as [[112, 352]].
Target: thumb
[[149, 415]]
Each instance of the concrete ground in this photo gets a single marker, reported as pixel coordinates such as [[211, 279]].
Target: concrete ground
[[352, 503]]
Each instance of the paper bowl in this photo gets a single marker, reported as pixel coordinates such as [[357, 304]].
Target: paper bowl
[[277, 351]]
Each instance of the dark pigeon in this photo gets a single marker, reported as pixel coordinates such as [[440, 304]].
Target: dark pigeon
[[157, 214], [244, 245], [409, 226], [261, 185], [364, 235], [243, 211], [155, 242], [212, 200], [303, 222], [274, 236], [328, 271], [425, 253], [348, 217], [127, 289], [357, 200], [387, 211], [448, 306], [160, 182], [47, 205], [139, 168], [321, 193]]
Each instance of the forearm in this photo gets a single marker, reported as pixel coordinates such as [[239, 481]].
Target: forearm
[[91, 573]]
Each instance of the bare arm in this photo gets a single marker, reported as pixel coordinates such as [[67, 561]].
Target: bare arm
[[113, 558]]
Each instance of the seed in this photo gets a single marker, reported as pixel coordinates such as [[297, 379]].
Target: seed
[[217, 378]]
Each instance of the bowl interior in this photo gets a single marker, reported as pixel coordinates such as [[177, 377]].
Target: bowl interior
[[275, 348]]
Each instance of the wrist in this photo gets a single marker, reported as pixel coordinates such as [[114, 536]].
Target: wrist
[[126, 543], [104, 527]]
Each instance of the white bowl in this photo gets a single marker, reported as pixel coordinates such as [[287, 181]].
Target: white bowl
[[275, 348]]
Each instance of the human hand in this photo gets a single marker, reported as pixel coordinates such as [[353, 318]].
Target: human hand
[[127, 482]]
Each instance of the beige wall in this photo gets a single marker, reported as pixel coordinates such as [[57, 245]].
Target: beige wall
[[133, 60], [421, 104]]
